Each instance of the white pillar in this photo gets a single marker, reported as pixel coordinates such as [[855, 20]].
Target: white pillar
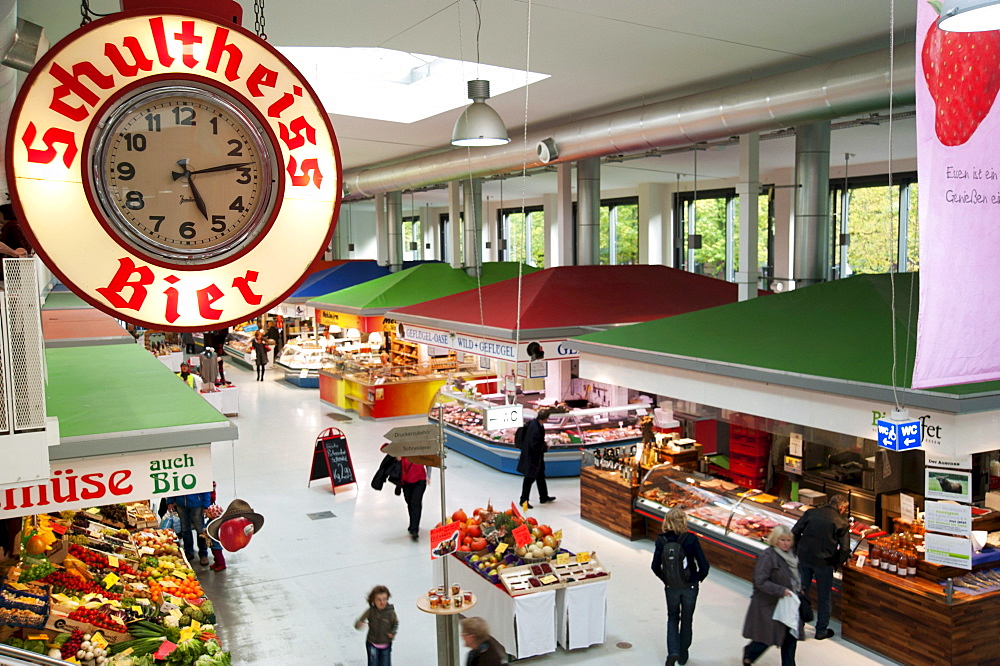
[[430, 224], [491, 240], [394, 223], [381, 231], [654, 223], [748, 189], [557, 382], [454, 240], [558, 210]]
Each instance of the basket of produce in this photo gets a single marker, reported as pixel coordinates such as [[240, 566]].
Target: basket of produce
[[17, 617]]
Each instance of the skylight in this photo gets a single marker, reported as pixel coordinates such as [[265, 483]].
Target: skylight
[[400, 87]]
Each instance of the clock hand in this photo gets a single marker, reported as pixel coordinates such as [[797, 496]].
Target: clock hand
[[221, 167], [197, 197]]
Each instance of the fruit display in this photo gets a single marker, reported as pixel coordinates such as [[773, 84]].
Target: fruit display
[[111, 597]]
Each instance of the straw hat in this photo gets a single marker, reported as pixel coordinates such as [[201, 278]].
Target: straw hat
[[236, 509]]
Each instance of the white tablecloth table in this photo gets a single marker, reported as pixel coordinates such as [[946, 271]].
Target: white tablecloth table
[[581, 611]]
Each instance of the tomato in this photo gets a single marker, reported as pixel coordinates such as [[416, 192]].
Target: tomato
[[475, 531], [532, 520], [459, 516], [546, 530], [478, 544]]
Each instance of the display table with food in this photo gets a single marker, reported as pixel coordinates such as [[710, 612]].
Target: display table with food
[[565, 432], [535, 596], [105, 586]]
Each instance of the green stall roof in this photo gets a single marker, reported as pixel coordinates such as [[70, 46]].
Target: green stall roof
[[118, 398], [413, 285], [840, 330], [64, 300]]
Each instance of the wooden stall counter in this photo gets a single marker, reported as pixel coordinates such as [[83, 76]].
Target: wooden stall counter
[[910, 620], [606, 500]]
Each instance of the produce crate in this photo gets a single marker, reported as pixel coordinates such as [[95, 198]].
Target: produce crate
[[574, 573], [58, 621], [35, 618], [517, 580]]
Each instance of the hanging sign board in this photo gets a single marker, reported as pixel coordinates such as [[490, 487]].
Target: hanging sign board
[[948, 518], [948, 462], [948, 485], [795, 444], [195, 166], [444, 540], [948, 550], [504, 416], [898, 435]]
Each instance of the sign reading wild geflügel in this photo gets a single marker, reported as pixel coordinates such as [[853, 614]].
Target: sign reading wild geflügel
[[86, 482]]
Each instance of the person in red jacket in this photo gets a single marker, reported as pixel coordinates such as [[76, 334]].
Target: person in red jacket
[[414, 480]]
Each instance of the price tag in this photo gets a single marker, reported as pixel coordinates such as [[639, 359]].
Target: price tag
[[113, 561], [140, 586], [168, 608], [558, 535], [126, 652], [72, 660], [304, 373], [167, 583], [137, 609], [562, 558], [175, 601], [38, 637], [501, 548], [187, 633], [861, 561], [59, 528], [522, 535], [97, 639], [583, 558], [110, 580], [93, 511], [175, 612], [146, 550], [165, 648], [548, 579], [18, 586]]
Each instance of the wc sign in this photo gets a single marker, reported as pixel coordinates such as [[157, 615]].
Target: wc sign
[[898, 435]]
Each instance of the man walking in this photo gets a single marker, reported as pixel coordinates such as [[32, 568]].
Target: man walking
[[822, 545], [191, 509], [531, 462]]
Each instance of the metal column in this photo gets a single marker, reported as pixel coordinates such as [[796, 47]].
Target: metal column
[[812, 203], [588, 211], [473, 225], [453, 248], [394, 216]]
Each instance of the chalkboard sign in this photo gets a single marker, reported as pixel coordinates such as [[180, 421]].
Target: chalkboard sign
[[332, 458]]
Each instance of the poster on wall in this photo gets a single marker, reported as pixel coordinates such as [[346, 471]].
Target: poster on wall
[[958, 129], [948, 485]]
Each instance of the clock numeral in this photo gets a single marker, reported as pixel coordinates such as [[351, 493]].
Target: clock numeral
[[125, 170], [237, 150], [244, 178], [215, 124], [133, 200], [183, 115], [237, 205], [153, 122], [187, 230], [218, 223], [136, 142], [158, 219]]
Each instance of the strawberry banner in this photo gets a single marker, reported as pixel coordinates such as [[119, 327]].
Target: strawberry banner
[[958, 132]]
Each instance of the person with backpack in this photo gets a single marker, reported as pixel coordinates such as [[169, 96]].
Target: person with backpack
[[680, 563]]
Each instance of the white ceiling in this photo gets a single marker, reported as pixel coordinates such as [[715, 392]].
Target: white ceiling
[[601, 55]]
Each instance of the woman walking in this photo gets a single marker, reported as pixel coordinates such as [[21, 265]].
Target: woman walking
[[680, 563], [260, 349], [775, 575]]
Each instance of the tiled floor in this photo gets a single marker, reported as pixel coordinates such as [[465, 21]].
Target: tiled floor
[[291, 597]]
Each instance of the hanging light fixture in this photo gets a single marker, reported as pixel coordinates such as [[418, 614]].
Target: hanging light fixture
[[479, 124], [970, 15]]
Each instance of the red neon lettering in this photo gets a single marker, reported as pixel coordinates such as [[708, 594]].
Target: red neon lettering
[[279, 107], [219, 46], [187, 37], [57, 494], [302, 180], [70, 84], [140, 61], [243, 284], [52, 136], [160, 40], [94, 481], [262, 76], [173, 297], [206, 297], [300, 126], [121, 280], [116, 480], [26, 497]]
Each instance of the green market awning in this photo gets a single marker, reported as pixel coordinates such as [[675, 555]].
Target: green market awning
[[410, 286], [834, 337], [120, 398]]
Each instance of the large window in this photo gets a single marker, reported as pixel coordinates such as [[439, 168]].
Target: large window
[[875, 226], [619, 231], [411, 238], [521, 234]]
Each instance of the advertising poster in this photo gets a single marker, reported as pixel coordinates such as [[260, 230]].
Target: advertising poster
[[948, 485], [444, 540], [958, 129], [948, 550], [948, 518]]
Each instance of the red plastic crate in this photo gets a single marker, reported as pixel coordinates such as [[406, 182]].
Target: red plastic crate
[[749, 434], [752, 482], [749, 449], [746, 468]]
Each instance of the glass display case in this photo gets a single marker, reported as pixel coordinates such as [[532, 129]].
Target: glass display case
[[716, 507], [239, 343]]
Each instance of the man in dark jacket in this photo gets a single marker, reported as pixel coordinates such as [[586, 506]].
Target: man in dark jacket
[[483, 649], [822, 545], [531, 463]]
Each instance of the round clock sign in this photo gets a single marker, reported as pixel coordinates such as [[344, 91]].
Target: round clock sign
[[174, 171]]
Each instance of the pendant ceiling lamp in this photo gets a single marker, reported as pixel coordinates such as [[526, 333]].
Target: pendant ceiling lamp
[[970, 15], [479, 124]]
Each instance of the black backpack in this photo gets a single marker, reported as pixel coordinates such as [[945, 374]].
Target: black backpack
[[519, 437], [675, 575]]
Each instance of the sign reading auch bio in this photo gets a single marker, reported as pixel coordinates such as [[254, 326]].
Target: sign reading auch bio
[[174, 171], [86, 482]]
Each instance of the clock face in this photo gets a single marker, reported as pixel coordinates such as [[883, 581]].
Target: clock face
[[183, 173]]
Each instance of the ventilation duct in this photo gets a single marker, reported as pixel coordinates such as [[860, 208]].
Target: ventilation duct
[[832, 90]]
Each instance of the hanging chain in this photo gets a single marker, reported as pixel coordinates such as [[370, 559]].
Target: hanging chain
[[84, 13], [258, 19]]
